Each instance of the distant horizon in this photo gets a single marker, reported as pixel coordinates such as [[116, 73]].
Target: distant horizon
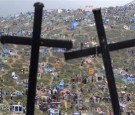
[[12, 7]]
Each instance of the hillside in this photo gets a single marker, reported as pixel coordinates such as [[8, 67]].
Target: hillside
[[90, 88]]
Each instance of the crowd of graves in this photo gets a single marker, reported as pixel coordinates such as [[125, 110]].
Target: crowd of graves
[[76, 87]]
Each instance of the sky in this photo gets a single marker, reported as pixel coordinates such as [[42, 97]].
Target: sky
[[11, 7]]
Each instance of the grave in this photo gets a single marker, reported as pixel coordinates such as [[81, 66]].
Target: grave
[[2, 69], [73, 85], [61, 85], [25, 69], [128, 79], [99, 78], [64, 91], [39, 76], [57, 65], [3, 57], [77, 113], [54, 111], [48, 69], [17, 93], [79, 103], [4, 107], [17, 109]]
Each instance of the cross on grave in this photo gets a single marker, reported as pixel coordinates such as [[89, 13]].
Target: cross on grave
[[104, 48], [35, 42]]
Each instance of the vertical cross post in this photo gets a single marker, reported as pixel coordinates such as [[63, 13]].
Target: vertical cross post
[[107, 61], [1, 98], [34, 58]]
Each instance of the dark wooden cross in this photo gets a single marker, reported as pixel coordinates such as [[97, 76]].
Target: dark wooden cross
[[104, 48], [35, 42], [1, 99]]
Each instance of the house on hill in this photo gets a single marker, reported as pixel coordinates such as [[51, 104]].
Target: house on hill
[[88, 8]]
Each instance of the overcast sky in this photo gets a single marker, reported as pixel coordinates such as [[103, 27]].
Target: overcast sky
[[12, 7]]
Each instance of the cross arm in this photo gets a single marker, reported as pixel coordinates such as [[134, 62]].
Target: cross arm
[[43, 42], [94, 50]]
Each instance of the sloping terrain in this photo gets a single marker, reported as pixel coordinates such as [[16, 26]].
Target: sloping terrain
[[91, 88]]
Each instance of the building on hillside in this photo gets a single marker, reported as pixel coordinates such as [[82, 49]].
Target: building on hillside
[[88, 8]]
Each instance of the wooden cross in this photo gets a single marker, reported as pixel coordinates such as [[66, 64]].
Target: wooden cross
[[104, 48], [1, 99], [35, 42]]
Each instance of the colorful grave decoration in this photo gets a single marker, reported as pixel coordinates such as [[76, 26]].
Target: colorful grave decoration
[[59, 50], [94, 43], [3, 57], [54, 111], [5, 50], [39, 76], [25, 69], [79, 103], [91, 71], [48, 70], [17, 109], [57, 65], [61, 85], [128, 79], [46, 50], [4, 61], [73, 25], [99, 78]]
